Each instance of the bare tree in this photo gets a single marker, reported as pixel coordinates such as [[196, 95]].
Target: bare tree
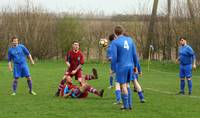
[[150, 35]]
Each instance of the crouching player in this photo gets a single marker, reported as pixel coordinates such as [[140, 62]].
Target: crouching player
[[70, 90]]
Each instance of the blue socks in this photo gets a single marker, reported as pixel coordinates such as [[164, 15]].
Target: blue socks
[[140, 94], [125, 101], [190, 85], [129, 97], [111, 81], [14, 85], [29, 84], [118, 95], [182, 85]]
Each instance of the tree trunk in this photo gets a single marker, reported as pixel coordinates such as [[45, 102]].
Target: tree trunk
[[150, 35]]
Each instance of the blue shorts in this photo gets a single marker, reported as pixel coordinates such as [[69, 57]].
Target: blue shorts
[[21, 70], [134, 76], [124, 74], [185, 71]]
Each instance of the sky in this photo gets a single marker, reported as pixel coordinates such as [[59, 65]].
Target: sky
[[108, 7]]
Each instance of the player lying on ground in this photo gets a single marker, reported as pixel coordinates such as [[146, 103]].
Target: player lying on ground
[[94, 75], [70, 90]]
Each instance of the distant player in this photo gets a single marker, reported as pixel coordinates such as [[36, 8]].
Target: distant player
[[112, 71], [125, 57], [70, 90], [17, 54], [187, 61]]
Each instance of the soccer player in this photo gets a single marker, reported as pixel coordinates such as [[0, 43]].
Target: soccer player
[[74, 60], [112, 71], [17, 54], [187, 61], [70, 90], [125, 57]]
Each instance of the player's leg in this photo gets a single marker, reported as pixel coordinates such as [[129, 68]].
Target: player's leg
[[14, 86], [125, 96], [121, 77], [182, 80], [130, 102], [29, 82], [93, 76], [26, 73], [111, 79], [62, 83], [89, 88], [139, 90], [16, 74], [188, 72], [136, 77], [117, 93]]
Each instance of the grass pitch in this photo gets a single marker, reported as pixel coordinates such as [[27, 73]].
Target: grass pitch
[[160, 84]]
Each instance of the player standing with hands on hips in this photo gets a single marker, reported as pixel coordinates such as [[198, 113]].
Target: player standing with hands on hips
[[18, 53], [187, 61], [124, 55]]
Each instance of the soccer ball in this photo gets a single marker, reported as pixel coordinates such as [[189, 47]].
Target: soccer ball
[[103, 42]]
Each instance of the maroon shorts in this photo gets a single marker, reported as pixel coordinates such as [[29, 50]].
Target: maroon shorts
[[77, 75], [83, 95]]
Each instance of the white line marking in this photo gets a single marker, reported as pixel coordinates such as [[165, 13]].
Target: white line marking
[[169, 93], [170, 73]]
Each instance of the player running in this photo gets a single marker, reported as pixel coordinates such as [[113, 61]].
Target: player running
[[17, 54], [187, 61]]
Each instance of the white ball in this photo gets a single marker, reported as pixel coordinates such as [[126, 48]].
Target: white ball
[[103, 42]]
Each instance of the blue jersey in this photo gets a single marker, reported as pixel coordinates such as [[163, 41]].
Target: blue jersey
[[186, 55], [18, 54], [124, 52], [109, 57]]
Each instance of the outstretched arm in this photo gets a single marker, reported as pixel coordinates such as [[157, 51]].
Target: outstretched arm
[[31, 59]]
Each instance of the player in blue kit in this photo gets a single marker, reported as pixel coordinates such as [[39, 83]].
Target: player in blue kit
[[17, 54], [112, 71], [187, 61], [124, 55]]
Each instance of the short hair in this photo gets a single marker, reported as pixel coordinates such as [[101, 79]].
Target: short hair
[[14, 37], [182, 38], [118, 30], [111, 37], [75, 42]]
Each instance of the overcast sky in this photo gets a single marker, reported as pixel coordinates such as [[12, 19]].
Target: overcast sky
[[108, 7]]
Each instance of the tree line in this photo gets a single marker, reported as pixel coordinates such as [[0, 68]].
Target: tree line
[[49, 35]]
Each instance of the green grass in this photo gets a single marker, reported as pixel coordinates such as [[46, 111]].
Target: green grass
[[160, 84]]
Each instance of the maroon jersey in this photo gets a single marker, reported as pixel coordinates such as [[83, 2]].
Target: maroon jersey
[[74, 59]]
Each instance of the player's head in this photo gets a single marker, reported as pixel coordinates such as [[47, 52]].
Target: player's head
[[68, 81], [118, 30], [14, 41], [111, 37], [182, 41], [75, 46]]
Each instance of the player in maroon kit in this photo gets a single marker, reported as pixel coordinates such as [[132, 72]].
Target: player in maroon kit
[[70, 90], [74, 60]]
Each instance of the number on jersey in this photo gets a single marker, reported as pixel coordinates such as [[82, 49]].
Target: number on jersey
[[126, 46]]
